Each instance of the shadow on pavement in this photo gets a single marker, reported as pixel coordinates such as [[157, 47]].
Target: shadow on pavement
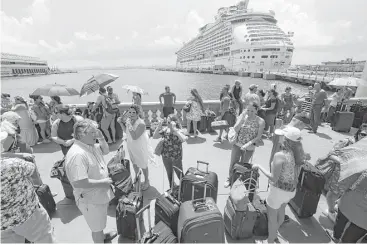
[[66, 212], [197, 140], [324, 136], [308, 230], [46, 148], [225, 145]]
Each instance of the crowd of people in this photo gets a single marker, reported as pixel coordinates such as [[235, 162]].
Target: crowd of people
[[84, 138]]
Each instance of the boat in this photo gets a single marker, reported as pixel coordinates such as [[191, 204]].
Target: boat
[[21, 65], [240, 39]]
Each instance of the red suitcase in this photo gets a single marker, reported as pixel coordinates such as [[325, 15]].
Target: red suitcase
[[200, 221]]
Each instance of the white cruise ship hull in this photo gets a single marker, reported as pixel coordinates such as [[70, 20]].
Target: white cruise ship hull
[[239, 40]]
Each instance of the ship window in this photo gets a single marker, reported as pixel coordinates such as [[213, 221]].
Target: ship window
[[244, 50], [264, 56], [287, 56], [248, 50], [253, 57], [262, 63], [246, 40], [248, 57]]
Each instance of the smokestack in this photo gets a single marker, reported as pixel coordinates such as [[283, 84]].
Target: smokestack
[[362, 89]]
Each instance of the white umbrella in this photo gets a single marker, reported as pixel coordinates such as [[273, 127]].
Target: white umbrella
[[345, 82], [134, 89]]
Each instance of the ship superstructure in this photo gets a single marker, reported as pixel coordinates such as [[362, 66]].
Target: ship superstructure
[[240, 39]]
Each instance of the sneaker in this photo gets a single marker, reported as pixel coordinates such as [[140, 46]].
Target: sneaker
[[218, 140], [227, 183], [331, 236]]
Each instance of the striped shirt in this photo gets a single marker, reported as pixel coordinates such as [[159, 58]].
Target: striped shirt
[[307, 103]]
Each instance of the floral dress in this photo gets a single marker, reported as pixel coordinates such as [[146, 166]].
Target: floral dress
[[172, 146], [195, 112], [248, 132]]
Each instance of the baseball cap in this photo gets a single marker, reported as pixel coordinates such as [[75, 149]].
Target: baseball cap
[[253, 86], [291, 133]]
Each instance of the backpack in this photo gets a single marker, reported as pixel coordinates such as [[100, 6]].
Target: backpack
[[109, 106]]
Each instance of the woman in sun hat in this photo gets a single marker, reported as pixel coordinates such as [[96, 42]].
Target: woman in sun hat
[[282, 177]]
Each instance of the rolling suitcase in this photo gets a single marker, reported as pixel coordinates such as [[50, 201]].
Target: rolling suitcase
[[201, 125], [46, 199], [343, 121], [244, 170], [239, 224], [261, 223], [209, 120], [194, 175], [200, 221], [217, 125], [308, 191], [167, 207], [126, 210], [160, 233]]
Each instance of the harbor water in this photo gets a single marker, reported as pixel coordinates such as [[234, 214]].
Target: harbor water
[[152, 81]]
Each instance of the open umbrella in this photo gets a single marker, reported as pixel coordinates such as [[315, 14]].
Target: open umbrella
[[345, 82], [96, 82], [134, 89], [55, 90]]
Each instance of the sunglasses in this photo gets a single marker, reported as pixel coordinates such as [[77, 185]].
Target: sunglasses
[[363, 134]]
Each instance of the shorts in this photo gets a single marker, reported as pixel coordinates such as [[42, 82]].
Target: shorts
[[277, 197], [94, 214], [36, 229]]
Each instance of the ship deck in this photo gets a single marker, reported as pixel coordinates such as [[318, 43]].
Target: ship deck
[[70, 226]]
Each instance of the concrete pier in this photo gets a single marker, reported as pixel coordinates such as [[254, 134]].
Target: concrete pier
[[256, 75], [269, 76]]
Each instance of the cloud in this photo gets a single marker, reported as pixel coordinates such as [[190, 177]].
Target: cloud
[[135, 34], [40, 12], [168, 41], [60, 47], [83, 35], [117, 38]]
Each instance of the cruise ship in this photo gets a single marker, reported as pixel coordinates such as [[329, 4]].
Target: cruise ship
[[240, 39], [20, 65]]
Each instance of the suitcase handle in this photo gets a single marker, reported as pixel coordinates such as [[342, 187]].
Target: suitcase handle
[[137, 183], [137, 216], [201, 162], [173, 181], [195, 201]]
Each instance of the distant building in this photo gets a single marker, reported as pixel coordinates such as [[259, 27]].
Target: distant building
[[347, 65], [20, 65]]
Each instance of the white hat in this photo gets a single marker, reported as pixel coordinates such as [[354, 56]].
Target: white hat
[[291, 133], [3, 135]]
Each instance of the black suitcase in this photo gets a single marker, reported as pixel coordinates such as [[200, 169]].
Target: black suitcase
[[126, 210], [167, 207], [194, 175], [245, 172], [311, 178], [46, 199], [261, 223], [305, 202], [343, 121], [160, 233]]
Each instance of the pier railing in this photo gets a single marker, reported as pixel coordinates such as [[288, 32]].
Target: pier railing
[[154, 111]]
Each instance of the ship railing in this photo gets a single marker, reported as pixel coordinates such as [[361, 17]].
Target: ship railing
[[153, 110]]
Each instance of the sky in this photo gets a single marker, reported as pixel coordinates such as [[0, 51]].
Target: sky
[[78, 33]]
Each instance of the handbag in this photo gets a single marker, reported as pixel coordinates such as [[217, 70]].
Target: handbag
[[232, 135], [187, 107], [159, 148]]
